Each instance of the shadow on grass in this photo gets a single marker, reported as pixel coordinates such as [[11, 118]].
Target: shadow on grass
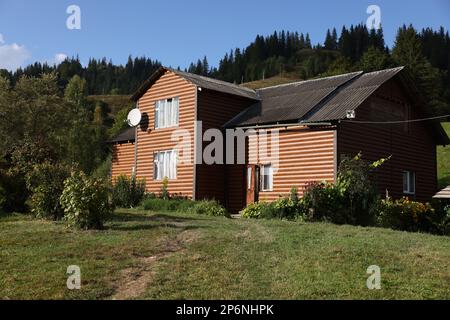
[[137, 221]]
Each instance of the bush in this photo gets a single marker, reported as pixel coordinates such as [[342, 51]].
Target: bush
[[403, 214], [255, 210], [86, 201], [164, 192], [323, 202], [2, 198], [157, 204], [13, 191], [206, 207], [45, 183], [128, 192], [209, 208], [444, 225]]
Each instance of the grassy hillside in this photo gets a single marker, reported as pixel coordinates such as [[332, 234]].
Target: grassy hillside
[[443, 158], [158, 255]]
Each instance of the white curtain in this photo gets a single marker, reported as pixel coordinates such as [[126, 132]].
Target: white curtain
[[166, 113], [165, 165]]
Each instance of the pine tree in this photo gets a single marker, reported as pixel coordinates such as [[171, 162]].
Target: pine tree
[[407, 51]]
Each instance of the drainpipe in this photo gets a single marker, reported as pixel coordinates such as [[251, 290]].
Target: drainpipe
[[135, 146]]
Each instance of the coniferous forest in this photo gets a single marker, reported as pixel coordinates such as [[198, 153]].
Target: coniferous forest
[[54, 117], [426, 53]]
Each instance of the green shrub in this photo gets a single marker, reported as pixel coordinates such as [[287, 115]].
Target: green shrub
[[157, 204], [323, 202], [444, 224], [357, 192], [283, 208], [86, 201], [2, 198], [164, 192], [128, 192], [206, 207], [254, 210], [15, 192], [45, 182], [209, 208], [407, 215]]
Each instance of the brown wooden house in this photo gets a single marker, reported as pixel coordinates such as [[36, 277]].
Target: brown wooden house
[[319, 121]]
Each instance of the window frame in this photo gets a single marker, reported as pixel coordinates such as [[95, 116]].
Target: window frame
[[263, 174], [172, 153], [410, 177], [158, 111]]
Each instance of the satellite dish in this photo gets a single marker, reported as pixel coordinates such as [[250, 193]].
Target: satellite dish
[[350, 114], [134, 117]]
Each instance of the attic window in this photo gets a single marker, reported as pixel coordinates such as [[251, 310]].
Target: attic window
[[166, 113]]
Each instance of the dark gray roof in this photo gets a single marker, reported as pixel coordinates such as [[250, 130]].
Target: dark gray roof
[[290, 101], [126, 135], [351, 95], [318, 100], [201, 81]]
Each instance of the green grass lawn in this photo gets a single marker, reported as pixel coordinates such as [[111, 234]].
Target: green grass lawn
[[168, 256], [443, 158]]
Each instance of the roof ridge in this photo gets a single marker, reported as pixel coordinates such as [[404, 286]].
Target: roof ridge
[[310, 80], [211, 79], [384, 70]]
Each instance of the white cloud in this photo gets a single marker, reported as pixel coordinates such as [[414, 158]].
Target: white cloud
[[12, 56], [56, 59], [60, 57]]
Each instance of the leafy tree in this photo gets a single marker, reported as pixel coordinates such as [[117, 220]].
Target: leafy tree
[[76, 91], [339, 66], [374, 59]]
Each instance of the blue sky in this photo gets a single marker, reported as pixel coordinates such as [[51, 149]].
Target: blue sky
[[179, 32]]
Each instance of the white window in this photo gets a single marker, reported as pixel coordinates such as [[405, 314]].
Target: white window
[[409, 182], [165, 165], [267, 178], [166, 113]]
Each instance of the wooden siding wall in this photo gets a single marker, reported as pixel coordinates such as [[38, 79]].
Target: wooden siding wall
[[123, 160], [411, 146], [152, 140], [305, 156], [221, 182]]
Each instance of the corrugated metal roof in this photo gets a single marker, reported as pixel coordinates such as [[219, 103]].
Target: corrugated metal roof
[[217, 85], [290, 101], [126, 135], [317, 100], [443, 194], [351, 95], [201, 81]]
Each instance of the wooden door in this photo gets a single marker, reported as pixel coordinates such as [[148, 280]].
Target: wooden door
[[252, 185]]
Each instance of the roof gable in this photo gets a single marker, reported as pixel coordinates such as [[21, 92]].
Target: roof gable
[[201, 81]]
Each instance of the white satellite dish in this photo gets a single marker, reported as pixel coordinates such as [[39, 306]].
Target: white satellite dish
[[134, 117], [350, 114]]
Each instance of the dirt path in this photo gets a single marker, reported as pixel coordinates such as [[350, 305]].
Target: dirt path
[[135, 280]]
